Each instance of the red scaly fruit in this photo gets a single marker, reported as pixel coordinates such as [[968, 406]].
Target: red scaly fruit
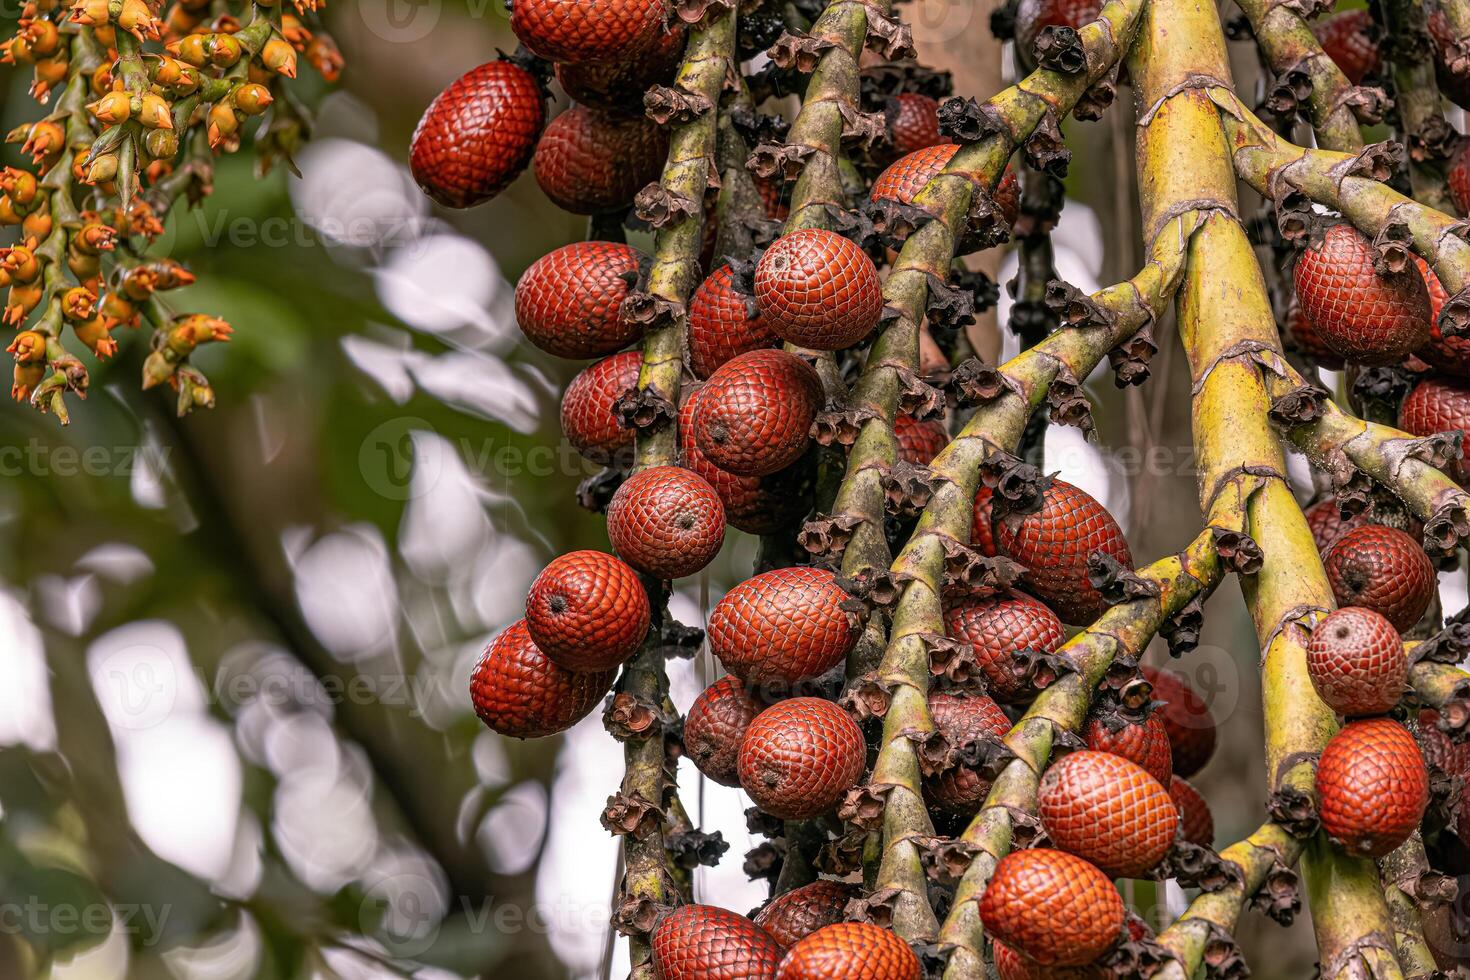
[[1144, 743], [1382, 569], [1187, 719], [999, 626], [587, 611], [913, 122], [1007, 196], [794, 915], [716, 726], [753, 504], [906, 176], [1195, 820], [1452, 86], [1349, 39], [1304, 337], [1440, 405], [818, 290], [962, 719], [1357, 664], [919, 442], [1326, 522], [1011, 965], [1365, 317], [846, 950], [589, 162], [666, 521], [477, 135], [1372, 787], [568, 301], [982, 524], [1440, 751], [722, 325], [1052, 907], [783, 626], [618, 83], [799, 757], [705, 942], [587, 30], [1033, 15], [774, 198], [587, 418], [1108, 810], [754, 415], [1054, 542], [1450, 355], [1458, 176], [518, 691]]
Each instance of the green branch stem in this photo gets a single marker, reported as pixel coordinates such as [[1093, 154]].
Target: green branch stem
[[1289, 46], [1417, 100]]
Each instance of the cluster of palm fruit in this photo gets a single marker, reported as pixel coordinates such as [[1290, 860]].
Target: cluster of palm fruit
[[140, 96], [791, 722]]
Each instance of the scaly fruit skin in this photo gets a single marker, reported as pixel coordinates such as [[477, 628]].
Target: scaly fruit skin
[[666, 521], [704, 942], [1033, 15], [590, 162], [1440, 405], [753, 504], [722, 326], [1308, 341], [587, 611], [1108, 810], [1458, 176], [799, 757], [754, 415], [1451, 86], [1054, 542], [1448, 354], [846, 950], [587, 418], [1196, 822], [1381, 569], [913, 122], [1052, 906], [906, 176], [1327, 524], [1144, 743], [1357, 664], [618, 83], [962, 718], [518, 691], [1365, 317], [1348, 40], [716, 726], [999, 626], [567, 302], [1440, 751], [818, 290], [794, 915], [982, 524], [919, 442], [783, 626], [587, 30], [1187, 719], [1011, 965], [1372, 787], [477, 135]]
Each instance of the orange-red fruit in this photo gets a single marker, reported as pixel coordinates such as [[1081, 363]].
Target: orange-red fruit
[[846, 950], [715, 727], [1307, 340], [1195, 819], [1144, 743], [587, 417], [799, 757], [1348, 40], [1440, 751], [1011, 965], [619, 82], [1052, 906], [919, 442], [1187, 719], [704, 942], [794, 915], [477, 135], [587, 30], [1356, 662], [1382, 569], [1448, 354], [666, 522], [982, 525], [567, 302], [753, 504], [1054, 542], [1440, 405], [1326, 522], [518, 691], [587, 611], [906, 176], [1458, 175], [1372, 786], [961, 719], [998, 627], [1033, 15], [1365, 317], [754, 415], [782, 626], [818, 290], [1108, 810], [589, 162], [722, 326], [913, 122]]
